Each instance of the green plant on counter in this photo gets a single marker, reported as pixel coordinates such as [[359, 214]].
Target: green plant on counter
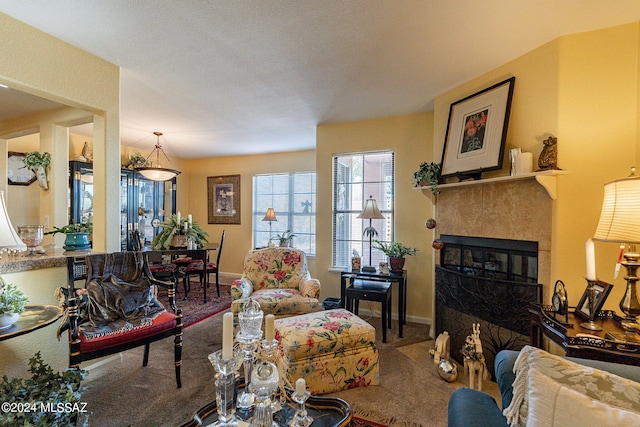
[[72, 228]]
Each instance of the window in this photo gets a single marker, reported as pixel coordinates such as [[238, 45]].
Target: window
[[356, 177], [293, 198]]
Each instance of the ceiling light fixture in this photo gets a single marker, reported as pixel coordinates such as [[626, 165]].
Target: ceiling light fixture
[[157, 172]]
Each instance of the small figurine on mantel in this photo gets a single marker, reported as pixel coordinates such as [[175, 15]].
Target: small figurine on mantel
[[548, 159]]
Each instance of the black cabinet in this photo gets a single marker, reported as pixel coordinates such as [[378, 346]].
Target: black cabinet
[[143, 203]]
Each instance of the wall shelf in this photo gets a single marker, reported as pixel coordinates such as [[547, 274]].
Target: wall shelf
[[546, 179]]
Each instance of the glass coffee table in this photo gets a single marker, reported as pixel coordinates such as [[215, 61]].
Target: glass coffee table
[[325, 411]]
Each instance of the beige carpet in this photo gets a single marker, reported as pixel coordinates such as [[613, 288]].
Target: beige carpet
[[123, 393]]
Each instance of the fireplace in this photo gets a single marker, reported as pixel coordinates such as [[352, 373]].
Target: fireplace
[[487, 281]]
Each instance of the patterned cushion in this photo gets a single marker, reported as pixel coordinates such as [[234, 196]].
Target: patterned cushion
[[332, 350], [162, 268], [593, 383], [281, 302]]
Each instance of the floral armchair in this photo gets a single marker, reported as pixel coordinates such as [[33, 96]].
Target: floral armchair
[[278, 279]]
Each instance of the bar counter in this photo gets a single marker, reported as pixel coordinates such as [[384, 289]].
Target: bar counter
[[53, 257]]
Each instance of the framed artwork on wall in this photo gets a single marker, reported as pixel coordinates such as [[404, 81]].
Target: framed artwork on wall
[[602, 292], [476, 132], [223, 199]]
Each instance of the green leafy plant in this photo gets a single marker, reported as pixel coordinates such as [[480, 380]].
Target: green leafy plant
[[394, 249], [53, 397], [136, 160], [284, 239], [33, 159], [428, 175], [12, 299], [171, 228], [72, 228]]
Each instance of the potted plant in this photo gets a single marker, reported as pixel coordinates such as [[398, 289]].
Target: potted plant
[[136, 160], [396, 252], [285, 239], [54, 398], [427, 175], [77, 235], [12, 303], [178, 232], [38, 163]]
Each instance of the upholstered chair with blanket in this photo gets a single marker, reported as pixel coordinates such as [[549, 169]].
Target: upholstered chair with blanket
[[278, 279]]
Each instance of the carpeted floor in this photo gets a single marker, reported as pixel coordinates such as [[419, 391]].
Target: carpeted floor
[[193, 308], [123, 393]]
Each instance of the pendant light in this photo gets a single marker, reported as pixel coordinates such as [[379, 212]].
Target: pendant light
[[157, 172]]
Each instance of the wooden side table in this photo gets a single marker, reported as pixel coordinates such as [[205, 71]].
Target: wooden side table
[[580, 342], [34, 317]]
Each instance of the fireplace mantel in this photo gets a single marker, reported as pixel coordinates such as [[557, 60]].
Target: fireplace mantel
[[546, 179]]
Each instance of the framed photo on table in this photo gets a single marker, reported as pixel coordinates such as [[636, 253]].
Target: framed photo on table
[[602, 292], [476, 131], [223, 199]]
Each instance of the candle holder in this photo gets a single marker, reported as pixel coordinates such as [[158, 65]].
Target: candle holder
[[591, 295], [226, 371], [250, 319], [301, 418], [264, 384]]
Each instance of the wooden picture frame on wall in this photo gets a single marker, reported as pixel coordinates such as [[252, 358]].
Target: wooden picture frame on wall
[[477, 131], [223, 199]]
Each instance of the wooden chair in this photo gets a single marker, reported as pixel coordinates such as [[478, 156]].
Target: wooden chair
[[95, 330], [198, 267], [159, 269]]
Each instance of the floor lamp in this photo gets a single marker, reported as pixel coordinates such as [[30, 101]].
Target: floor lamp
[[270, 216], [370, 212]]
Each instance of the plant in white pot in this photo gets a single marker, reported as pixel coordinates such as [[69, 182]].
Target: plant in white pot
[[396, 252], [12, 303], [38, 163], [285, 239]]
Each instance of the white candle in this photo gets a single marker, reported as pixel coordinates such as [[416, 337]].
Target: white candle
[[591, 260], [186, 226], [301, 386], [227, 336], [178, 218], [190, 219], [269, 327]]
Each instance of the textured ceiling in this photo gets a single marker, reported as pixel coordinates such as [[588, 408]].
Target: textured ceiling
[[230, 77]]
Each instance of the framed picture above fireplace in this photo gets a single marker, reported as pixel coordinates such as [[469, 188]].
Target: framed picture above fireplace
[[476, 132]]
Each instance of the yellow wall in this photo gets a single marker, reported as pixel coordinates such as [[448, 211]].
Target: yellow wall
[[37, 63], [238, 237], [411, 137], [582, 88]]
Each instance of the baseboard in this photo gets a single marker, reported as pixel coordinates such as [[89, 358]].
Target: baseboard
[[367, 311]]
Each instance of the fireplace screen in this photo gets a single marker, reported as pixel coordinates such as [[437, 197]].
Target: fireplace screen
[[499, 306]]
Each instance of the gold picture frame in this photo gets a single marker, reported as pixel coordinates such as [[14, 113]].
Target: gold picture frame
[[223, 199]]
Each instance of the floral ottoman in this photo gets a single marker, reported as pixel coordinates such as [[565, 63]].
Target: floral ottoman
[[332, 350]]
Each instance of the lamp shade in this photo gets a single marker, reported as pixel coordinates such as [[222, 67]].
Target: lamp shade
[[620, 216], [370, 210], [270, 215], [8, 236]]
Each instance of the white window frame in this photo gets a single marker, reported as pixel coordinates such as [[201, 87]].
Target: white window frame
[[295, 209], [350, 188]]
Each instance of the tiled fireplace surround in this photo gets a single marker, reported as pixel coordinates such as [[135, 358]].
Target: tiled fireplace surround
[[518, 210]]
